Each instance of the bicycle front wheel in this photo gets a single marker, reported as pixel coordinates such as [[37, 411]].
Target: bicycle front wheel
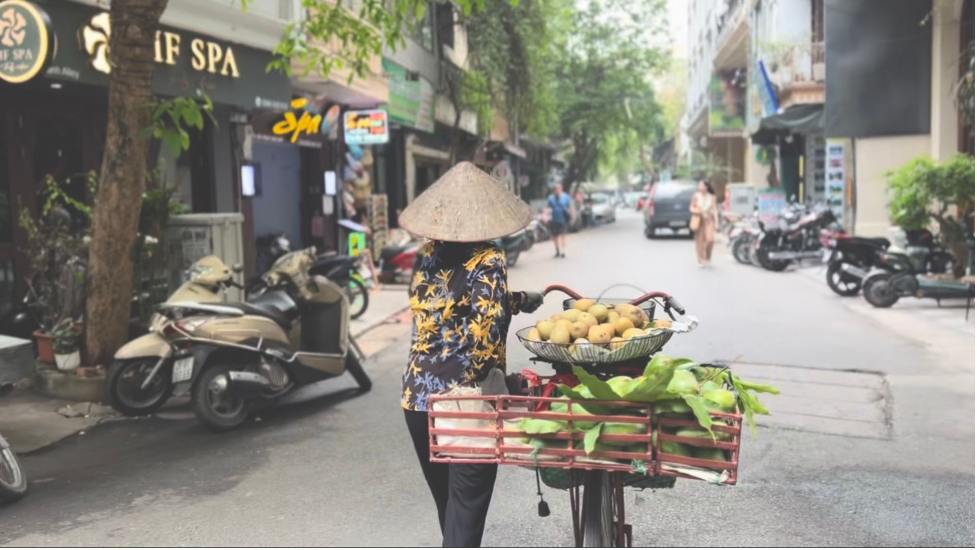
[[598, 509]]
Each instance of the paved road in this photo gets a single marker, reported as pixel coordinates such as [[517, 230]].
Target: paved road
[[339, 469]]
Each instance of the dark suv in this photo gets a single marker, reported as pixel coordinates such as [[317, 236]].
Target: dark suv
[[668, 206]]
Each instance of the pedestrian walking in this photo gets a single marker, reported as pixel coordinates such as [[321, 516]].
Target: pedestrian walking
[[461, 308], [705, 219], [560, 212]]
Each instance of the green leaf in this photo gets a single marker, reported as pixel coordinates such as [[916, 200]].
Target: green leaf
[[598, 387], [590, 438], [652, 388], [701, 411], [567, 391], [542, 426]]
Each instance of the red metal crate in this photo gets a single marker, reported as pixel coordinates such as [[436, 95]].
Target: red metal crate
[[514, 407]]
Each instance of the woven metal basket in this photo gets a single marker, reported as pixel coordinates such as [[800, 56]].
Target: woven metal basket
[[633, 348]]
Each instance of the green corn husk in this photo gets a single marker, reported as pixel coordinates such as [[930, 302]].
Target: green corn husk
[[709, 453], [703, 434], [724, 400]]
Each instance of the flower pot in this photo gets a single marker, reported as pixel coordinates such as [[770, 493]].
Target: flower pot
[[67, 361], [45, 346]]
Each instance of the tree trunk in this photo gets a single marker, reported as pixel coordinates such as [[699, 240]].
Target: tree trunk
[[116, 218]]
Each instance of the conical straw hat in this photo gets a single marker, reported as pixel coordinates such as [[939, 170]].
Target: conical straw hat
[[466, 205]]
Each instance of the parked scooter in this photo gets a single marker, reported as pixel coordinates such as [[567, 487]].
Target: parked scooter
[[13, 479], [513, 245], [884, 289], [269, 248], [396, 263], [341, 269], [233, 357], [851, 260], [137, 382]]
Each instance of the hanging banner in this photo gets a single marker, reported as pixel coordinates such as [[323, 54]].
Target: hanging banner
[[412, 98], [834, 186]]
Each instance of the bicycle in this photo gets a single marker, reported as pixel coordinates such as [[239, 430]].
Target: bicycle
[[595, 480]]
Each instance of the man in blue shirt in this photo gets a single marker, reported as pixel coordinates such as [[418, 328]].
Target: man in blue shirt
[[561, 211]]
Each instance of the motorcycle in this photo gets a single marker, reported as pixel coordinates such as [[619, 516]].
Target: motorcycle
[[512, 245], [396, 263], [538, 230], [850, 261], [342, 270], [271, 247], [234, 357], [777, 247], [13, 479], [136, 383]]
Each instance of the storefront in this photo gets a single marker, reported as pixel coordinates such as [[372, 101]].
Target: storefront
[[53, 121]]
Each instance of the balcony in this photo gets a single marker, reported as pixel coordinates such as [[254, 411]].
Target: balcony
[[733, 42], [798, 73]]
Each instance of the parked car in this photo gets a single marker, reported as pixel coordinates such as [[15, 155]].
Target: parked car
[[602, 208], [667, 206]]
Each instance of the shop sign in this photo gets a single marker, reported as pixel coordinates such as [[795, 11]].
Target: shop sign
[[205, 55], [412, 100], [301, 122], [25, 40], [365, 127], [186, 62]]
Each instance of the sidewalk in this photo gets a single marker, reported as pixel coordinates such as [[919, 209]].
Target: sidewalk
[[30, 421], [947, 331], [384, 303], [386, 319]]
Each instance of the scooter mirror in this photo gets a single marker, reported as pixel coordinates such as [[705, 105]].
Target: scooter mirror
[[237, 268]]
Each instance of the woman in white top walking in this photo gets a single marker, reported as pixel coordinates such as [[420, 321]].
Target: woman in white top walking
[[705, 219]]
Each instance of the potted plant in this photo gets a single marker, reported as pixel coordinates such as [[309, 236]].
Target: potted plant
[[64, 338], [925, 191], [57, 248]]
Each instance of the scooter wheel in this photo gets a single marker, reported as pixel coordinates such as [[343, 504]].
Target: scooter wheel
[[13, 479], [878, 292], [741, 250], [124, 386], [842, 283], [214, 404]]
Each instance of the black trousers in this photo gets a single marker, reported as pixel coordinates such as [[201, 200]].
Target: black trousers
[[462, 492]]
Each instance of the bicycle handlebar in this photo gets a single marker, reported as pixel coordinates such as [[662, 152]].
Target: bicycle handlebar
[[670, 302]]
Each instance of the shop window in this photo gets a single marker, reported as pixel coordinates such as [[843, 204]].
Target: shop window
[[6, 221], [445, 16]]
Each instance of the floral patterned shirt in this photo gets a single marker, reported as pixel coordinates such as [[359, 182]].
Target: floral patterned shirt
[[461, 307]]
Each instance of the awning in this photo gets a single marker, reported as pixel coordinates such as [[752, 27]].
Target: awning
[[805, 118]]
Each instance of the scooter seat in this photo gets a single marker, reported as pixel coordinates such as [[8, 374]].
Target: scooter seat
[[877, 242], [264, 310]]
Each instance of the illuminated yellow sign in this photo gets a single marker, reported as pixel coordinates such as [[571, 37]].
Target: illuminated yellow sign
[[24, 40], [293, 126], [205, 56]]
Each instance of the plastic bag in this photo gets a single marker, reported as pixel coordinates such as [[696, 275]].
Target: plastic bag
[[466, 405]]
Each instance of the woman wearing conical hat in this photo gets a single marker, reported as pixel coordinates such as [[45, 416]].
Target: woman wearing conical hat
[[461, 307]]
